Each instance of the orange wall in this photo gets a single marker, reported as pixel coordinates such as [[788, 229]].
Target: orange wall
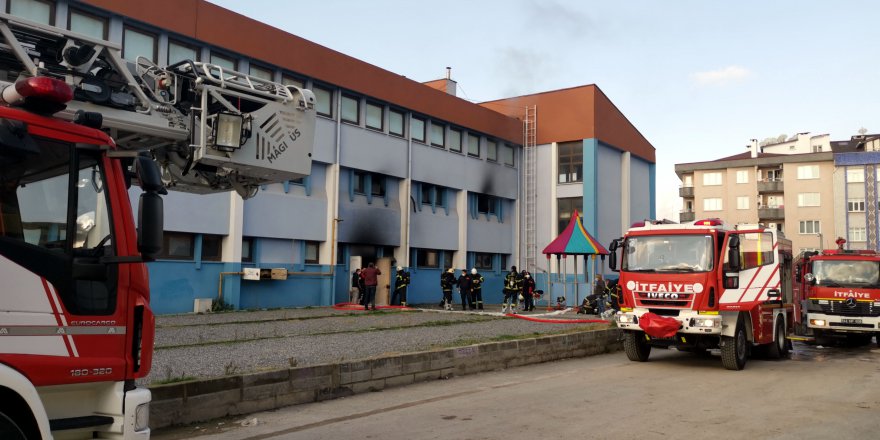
[[225, 29], [577, 113]]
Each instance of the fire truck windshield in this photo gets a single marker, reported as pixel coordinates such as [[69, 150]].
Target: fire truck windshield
[[668, 253], [846, 273]]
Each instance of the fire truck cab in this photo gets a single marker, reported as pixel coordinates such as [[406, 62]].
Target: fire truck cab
[[701, 286], [837, 295]]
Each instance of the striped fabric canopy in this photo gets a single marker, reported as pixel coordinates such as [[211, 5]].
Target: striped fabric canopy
[[575, 240]]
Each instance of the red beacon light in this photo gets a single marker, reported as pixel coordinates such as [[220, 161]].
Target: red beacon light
[[39, 94], [709, 222]]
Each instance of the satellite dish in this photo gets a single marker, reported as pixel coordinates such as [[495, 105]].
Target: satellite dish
[[862, 131]]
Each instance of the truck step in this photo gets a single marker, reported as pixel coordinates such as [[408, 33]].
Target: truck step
[[79, 422], [801, 338]]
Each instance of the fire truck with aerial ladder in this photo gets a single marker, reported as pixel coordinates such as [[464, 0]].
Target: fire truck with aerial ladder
[[702, 285], [837, 295], [79, 125]]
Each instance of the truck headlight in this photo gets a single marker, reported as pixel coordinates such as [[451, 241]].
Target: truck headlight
[[626, 319], [704, 322], [142, 417], [818, 322]]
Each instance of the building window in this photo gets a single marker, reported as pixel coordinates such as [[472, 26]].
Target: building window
[[808, 199], [565, 208], [311, 252], [713, 204], [395, 122], [491, 151], [571, 162], [178, 52], [350, 109], [137, 43], [474, 145], [855, 205], [742, 202], [486, 204], [377, 185], [35, 10], [226, 62], [483, 260], [375, 116], [809, 227], [87, 24], [857, 234], [507, 155], [855, 175], [247, 250], [809, 172], [455, 140], [417, 129], [178, 246], [447, 259], [212, 247], [817, 149], [742, 176], [291, 81], [427, 258], [433, 194], [360, 182], [711, 179], [262, 73], [438, 134], [323, 101]]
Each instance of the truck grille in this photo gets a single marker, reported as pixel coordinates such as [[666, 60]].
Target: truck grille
[[839, 308], [681, 301]]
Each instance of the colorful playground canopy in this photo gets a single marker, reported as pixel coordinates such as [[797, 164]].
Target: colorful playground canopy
[[575, 240]]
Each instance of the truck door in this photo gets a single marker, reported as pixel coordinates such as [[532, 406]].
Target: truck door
[[757, 273]]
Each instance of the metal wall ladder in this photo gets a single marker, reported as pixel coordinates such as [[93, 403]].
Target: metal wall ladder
[[529, 238]]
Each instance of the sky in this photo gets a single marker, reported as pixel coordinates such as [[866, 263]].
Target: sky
[[698, 79]]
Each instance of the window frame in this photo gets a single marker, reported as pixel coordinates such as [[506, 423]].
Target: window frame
[[567, 160], [720, 206], [422, 260], [850, 171], [742, 176], [479, 139], [330, 92], [442, 133], [49, 3], [811, 176], [316, 245], [505, 147], [172, 41], [712, 182], [225, 57], [805, 200], [381, 108], [212, 258], [267, 69], [288, 79], [816, 226], [481, 257], [359, 177], [247, 243], [413, 131], [402, 114], [141, 31], [862, 231], [166, 240], [740, 199], [357, 100], [453, 133], [73, 10], [855, 203]]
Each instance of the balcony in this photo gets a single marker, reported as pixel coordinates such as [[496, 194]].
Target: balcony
[[685, 191], [686, 216], [770, 186], [771, 213]]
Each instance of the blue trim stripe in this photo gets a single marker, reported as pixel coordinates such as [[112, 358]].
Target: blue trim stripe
[[591, 184]]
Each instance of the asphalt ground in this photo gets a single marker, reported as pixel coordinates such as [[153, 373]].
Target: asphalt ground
[[196, 346]]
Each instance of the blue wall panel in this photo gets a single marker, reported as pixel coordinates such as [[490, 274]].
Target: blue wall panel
[[641, 188], [175, 284], [609, 195]]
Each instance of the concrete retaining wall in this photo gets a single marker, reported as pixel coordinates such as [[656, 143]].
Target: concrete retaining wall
[[196, 401]]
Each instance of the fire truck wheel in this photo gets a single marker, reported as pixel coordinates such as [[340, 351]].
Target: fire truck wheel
[[734, 349], [778, 349], [9, 429], [636, 347]]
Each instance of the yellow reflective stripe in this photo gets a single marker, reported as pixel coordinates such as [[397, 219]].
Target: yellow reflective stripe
[[709, 312]]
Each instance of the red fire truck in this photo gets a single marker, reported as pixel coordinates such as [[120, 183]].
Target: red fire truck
[[76, 330], [837, 295], [702, 285]]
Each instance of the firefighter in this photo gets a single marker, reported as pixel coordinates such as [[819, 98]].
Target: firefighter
[[476, 289], [528, 291], [400, 284], [447, 280], [464, 289], [511, 291]]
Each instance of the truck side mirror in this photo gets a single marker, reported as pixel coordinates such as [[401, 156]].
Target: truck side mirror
[[733, 260], [612, 254], [151, 214], [810, 278]]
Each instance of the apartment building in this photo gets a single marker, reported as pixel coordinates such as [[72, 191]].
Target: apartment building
[[792, 192], [855, 191]]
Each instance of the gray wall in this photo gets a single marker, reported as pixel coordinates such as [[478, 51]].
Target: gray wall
[[372, 151], [325, 141], [441, 167], [490, 235], [369, 223], [277, 251], [609, 194], [272, 213], [435, 230], [196, 213]]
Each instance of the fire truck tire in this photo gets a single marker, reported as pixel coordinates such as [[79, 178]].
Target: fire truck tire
[[635, 346], [9, 429], [734, 350], [778, 349]]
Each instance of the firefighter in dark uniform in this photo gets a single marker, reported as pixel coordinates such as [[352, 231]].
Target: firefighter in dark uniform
[[528, 291], [447, 280], [400, 284], [464, 288], [477, 289], [511, 291]]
